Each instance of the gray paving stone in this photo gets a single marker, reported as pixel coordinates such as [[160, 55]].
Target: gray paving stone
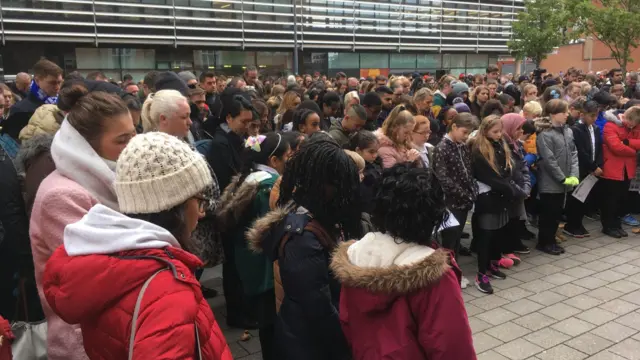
[[597, 316], [589, 343], [483, 342], [597, 265], [629, 349], [583, 302], [472, 309], [631, 320], [497, 316], [590, 282], [609, 275], [507, 331], [558, 279], [567, 263], [624, 286], [535, 321], [569, 290], [523, 307], [539, 260], [606, 355], [527, 276], [633, 297], [578, 272], [628, 269], [605, 294], [478, 325], [619, 306], [547, 338], [615, 259], [506, 283], [573, 326], [560, 311], [491, 355], [618, 246], [547, 269], [547, 298], [489, 302], [601, 251], [585, 258], [576, 249], [613, 331], [518, 349], [561, 352], [513, 294], [629, 254]]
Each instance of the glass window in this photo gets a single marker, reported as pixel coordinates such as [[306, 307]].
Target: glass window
[[453, 61], [241, 58], [406, 61], [477, 60], [138, 58], [429, 61], [374, 61], [280, 59], [457, 71], [91, 58], [344, 61]]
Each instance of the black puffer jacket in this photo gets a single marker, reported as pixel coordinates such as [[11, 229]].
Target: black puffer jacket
[[307, 326]]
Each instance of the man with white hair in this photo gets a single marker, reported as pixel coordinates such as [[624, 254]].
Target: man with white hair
[[352, 84]]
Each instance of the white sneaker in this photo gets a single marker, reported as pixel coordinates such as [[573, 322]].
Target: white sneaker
[[464, 282]]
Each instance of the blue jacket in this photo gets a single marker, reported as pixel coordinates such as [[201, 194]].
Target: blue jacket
[[600, 121]]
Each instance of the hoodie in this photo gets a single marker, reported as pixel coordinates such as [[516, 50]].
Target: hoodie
[[401, 300], [558, 157], [121, 254]]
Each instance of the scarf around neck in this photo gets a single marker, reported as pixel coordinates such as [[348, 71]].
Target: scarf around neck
[[41, 95], [75, 159]]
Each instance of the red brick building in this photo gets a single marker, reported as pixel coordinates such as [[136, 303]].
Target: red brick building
[[578, 55]]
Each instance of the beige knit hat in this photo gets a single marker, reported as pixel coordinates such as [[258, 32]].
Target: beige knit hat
[[156, 172]]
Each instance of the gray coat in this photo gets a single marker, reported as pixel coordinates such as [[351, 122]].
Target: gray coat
[[558, 158]]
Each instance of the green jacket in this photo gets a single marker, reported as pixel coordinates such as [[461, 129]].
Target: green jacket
[[338, 133], [240, 206]]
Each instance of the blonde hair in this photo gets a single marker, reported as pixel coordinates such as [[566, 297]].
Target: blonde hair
[[288, 102], [633, 115], [420, 120], [277, 90], [356, 159], [422, 94], [348, 97], [585, 87], [163, 102], [484, 146], [476, 91], [533, 107], [400, 116]]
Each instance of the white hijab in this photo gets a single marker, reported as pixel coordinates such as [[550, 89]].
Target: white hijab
[[76, 160]]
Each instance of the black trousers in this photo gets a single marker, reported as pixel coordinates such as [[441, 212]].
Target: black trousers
[[451, 236], [511, 236], [576, 210], [614, 200], [549, 219], [489, 244], [232, 286]]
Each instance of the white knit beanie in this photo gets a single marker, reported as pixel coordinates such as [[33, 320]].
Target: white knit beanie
[[156, 172]]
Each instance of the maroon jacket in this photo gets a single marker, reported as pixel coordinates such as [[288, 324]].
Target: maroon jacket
[[408, 308]]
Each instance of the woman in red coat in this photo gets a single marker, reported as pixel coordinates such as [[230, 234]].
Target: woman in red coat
[[400, 297], [621, 142], [128, 278]]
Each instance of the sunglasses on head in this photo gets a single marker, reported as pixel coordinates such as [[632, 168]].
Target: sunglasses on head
[[192, 86]]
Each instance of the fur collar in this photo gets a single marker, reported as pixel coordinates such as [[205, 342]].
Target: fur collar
[[235, 200], [30, 150], [389, 279], [261, 227]]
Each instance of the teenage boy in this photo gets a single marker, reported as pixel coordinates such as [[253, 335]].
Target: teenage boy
[[588, 142]]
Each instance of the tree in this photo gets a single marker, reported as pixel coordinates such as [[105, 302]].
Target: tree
[[538, 30], [616, 23]]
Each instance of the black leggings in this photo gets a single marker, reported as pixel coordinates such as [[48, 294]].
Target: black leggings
[[451, 236], [489, 244], [549, 218], [614, 200]]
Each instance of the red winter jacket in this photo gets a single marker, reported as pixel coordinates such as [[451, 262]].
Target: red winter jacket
[[617, 156], [401, 301], [6, 338], [95, 278]]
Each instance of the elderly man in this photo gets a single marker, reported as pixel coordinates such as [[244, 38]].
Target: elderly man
[[22, 84]]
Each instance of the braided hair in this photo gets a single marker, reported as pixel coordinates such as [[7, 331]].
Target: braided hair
[[300, 117], [322, 178]]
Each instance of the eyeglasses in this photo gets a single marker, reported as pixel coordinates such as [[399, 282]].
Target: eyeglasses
[[192, 86], [427, 132], [203, 202]]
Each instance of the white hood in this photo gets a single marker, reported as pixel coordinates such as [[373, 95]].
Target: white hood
[[76, 160], [105, 231], [378, 250]]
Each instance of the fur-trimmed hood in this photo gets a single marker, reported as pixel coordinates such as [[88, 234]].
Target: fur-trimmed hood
[[612, 116], [386, 268], [261, 231], [542, 123], [31, 149], [237, 198]]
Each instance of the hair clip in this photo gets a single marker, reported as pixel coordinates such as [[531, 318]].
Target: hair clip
[[457, 100], [254, 142], [555, 94]]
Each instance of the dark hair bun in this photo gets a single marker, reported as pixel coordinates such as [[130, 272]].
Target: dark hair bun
[[70, 95]]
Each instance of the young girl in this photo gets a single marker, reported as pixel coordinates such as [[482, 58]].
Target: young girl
[[557, 171], [452, 168], [366, 144], [621, 142], [512, 132], [395, 138], [400, 296], [493, 168], [245, 200]]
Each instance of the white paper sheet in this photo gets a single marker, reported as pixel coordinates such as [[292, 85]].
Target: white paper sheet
[[584, 188], [451, 222]]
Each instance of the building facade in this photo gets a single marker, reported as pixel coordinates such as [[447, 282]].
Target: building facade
[[358, 37]]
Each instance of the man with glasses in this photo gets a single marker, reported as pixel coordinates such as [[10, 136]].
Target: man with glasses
[[43, 90]]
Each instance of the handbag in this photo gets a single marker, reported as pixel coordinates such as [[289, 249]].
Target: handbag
[[30, 341], [136, 312]]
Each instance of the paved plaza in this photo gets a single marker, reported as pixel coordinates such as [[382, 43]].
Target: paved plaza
[[584, 304]]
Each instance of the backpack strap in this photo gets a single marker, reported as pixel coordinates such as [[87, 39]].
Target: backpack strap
[[326, 240], [136, 312]]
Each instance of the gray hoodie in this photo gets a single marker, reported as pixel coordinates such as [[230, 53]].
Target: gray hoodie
[[558, 157]]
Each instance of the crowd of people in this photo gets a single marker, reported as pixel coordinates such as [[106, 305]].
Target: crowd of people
[[335, 206]]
